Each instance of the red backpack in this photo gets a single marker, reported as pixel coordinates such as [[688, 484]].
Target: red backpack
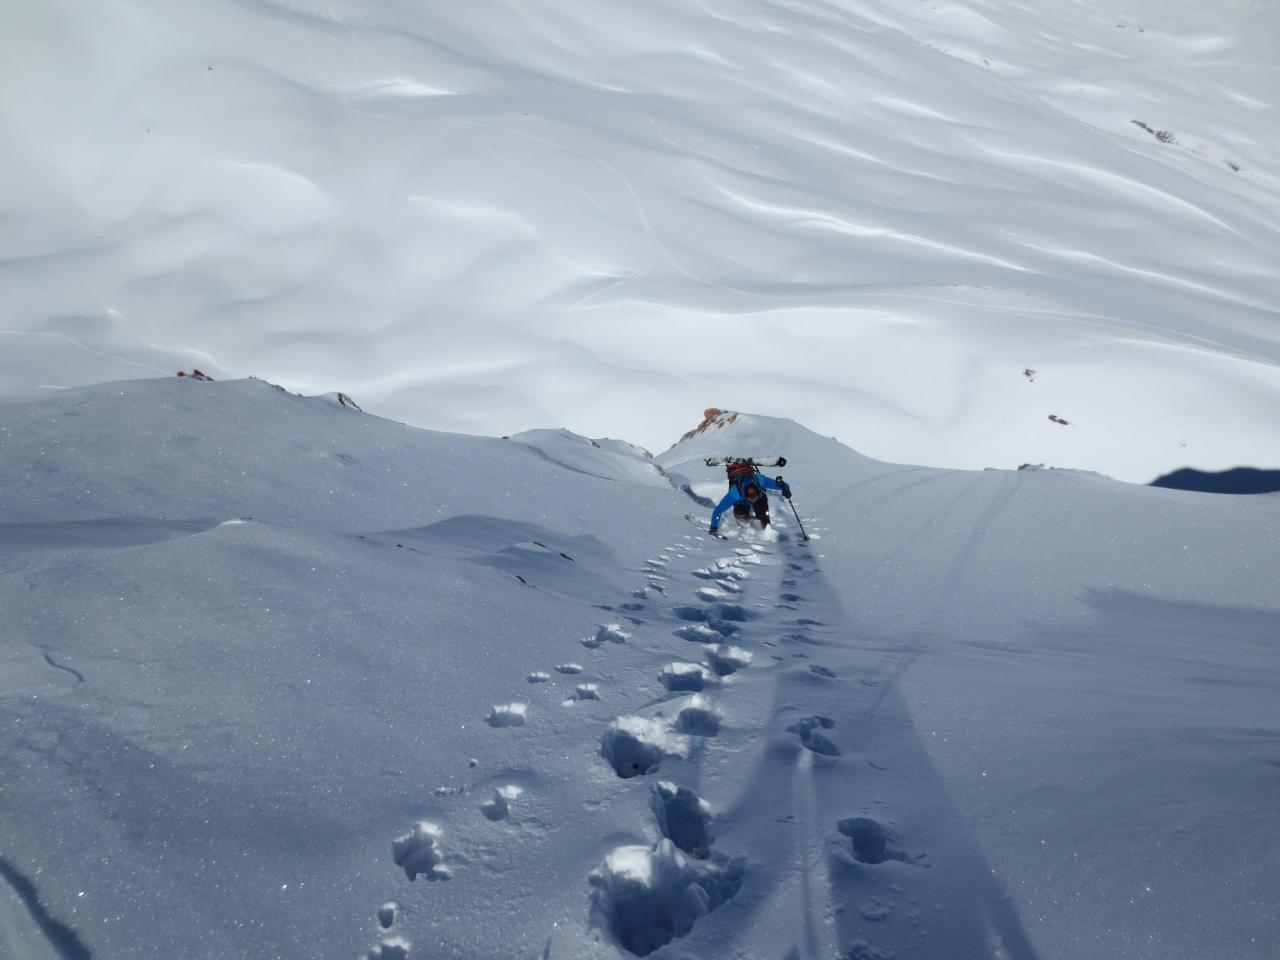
[[740, 474]]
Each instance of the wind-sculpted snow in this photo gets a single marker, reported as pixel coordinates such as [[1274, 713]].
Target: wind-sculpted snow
[[924, 228]]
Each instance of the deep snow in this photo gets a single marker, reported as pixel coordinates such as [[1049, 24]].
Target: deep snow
[[870, 216], [267, 659]]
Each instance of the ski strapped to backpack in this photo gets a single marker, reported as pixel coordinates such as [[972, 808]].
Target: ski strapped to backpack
[[746, 461], [742, 470], [740, 474]]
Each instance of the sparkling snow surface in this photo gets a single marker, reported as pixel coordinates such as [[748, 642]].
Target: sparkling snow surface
[[870, 216], [262, 658]]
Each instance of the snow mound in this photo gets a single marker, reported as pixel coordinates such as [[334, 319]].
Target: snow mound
[[393, 948], [507, 715], [387, 914], [645, 897], [635, 746], [499, 805], [699, 717], [870, 839], [810, 732], [611, 632], [724, 658], [606, 633], [698, 633], [683, 817], [418, 852], [683, 676]]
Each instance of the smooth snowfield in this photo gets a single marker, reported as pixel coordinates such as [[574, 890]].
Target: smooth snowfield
[[871, 216], [279, 678]]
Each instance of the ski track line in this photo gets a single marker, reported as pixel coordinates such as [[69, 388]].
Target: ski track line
[[950, 582], [923, 530], [986, 890], [995, 927], [803, 828], [781, 814], [813, 889], [57, 666], [811, 833], [889, 672], [894, 664], [77, 343]]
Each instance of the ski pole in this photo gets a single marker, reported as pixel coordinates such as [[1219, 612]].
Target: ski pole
[[803, 533], [797, 516]]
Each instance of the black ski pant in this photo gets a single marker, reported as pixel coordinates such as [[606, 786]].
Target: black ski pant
[[742, 509]]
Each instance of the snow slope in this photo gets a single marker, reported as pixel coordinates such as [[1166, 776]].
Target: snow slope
[[868, 215], [284, 679]]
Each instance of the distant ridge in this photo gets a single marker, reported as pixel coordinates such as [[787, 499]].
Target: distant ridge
[[1236, 480]]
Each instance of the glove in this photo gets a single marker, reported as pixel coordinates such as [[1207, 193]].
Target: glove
[[713, 531], [786, 490]]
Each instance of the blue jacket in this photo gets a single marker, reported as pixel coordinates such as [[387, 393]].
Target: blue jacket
[[734, 495]]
